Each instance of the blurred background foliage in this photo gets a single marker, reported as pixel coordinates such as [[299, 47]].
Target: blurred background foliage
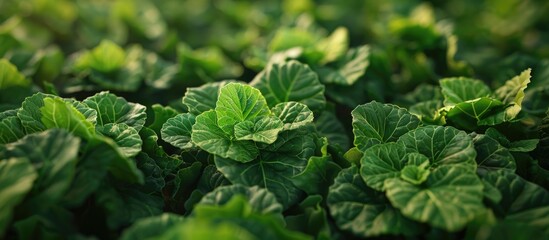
[[169, 45]]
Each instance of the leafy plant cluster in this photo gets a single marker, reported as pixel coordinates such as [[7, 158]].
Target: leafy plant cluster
[[273, 120]]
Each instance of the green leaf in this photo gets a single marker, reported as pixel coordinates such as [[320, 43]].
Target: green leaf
[[428, 112], [348, 69], [275, 166], [334, 45], [10, 76], [113, 109], [207, 135], [30, 114], [152, 227], [518, 195], [203, 98], [293, 114], [53, 154], [57, 113], [449, 199], [365, 212], [513, 93], [259, 129], [375, 123], [16, 179], [470, 114], [526, 145], [238, 210], [537, 218], [286, 38], [126, 205], [491, 155], [317, 176], [11, 129], [415, 174], [153, 174], [291, 81], [442, 145], [127, 138], [204, 229], [161, 115], [381, 162], [237, 103], [120, 166], [178, 129], [106, 57], [329, 126], [458, 90], [311, 219], [260, 200]]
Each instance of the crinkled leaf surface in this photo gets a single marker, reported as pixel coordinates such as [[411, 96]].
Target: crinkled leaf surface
[[56, 113], [513, 92], [442, 145], [375, 123], [237, 103], [470, 114], [126, 138], [275, 166], [16, 180], [293, 114], [291, 81], [203, 98], [260, 129], [491, 155], [207, 135], [317, 176], [113, 109], [381, 162], [177, 130], [363, 210], [161, 115], [260, 200], [457, 90], [11, 128], [449, 199]]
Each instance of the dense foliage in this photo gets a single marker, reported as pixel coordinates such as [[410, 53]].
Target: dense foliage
[[296, 119]]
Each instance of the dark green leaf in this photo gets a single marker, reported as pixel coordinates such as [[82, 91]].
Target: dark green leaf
[[113, 109]]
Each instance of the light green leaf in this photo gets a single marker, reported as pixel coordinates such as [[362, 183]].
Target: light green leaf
[[442, 145], [237, 103], [127, 138], [10, 77], [152, 227], [203, 98], [415, 174], [113, 109], [457, 90], [53, 154], [286, 38], [260, 200], [275, 165], [381, 162], [204, 229], [259, 129], [57, 113], [334, 45], [177, 131], [513, 93], [293, 114], [348, 69], [492, 156], [30, 114], [207, 135], [16, 179], [375, 123], [106, 57], [237, 210], [291, 81], [449, 199], [89, 113], [364, 211], [428, 112]]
